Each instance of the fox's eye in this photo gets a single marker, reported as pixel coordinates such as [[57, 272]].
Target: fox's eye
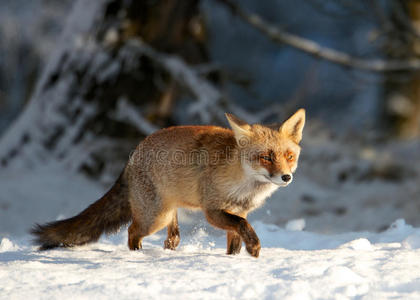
[[290, 157], [266, 157]]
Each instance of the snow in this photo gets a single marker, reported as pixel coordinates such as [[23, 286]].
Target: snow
[[296, 225], [294, 263], [37, 195]]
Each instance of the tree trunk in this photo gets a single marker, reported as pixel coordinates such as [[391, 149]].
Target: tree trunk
[[402, 91], [72, 116]]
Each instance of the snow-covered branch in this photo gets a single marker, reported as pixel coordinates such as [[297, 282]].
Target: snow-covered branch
[[208, 96], [127, 111], [210, 102], [313, 48]]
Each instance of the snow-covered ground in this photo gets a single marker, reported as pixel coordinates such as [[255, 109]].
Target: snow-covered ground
[[293, 263]]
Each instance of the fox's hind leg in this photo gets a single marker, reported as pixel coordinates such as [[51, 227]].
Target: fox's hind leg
[[151, 222], [173, 238], [135, 236], [148, 211]]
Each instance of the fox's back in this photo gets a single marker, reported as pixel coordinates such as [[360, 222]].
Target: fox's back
[[177, 159], [188, 137]]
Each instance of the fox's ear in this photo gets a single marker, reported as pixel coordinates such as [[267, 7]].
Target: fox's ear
[[293, 126], [241, 129]]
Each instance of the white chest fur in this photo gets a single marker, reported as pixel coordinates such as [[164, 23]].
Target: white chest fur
[[248, 195], [263, 194]]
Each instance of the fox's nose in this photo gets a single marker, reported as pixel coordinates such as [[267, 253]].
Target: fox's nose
[[286, 177]]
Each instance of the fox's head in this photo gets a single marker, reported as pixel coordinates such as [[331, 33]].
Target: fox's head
[[269, 154]]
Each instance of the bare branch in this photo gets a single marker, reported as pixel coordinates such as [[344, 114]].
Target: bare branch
[[313, 48]]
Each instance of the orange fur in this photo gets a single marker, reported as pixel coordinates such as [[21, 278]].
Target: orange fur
[[226, 173]]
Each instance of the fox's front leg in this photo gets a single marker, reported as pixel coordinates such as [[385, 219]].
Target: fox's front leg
[[227, 221], [234, 242]]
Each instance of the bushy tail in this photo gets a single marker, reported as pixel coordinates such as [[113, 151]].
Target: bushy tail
[[107, 215]]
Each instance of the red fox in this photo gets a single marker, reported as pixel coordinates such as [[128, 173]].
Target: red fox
[[225, 173]]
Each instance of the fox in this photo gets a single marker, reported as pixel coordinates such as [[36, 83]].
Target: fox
[[226, 173]]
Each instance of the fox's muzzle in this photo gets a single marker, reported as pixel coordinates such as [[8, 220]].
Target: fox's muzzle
[[281, 180]]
